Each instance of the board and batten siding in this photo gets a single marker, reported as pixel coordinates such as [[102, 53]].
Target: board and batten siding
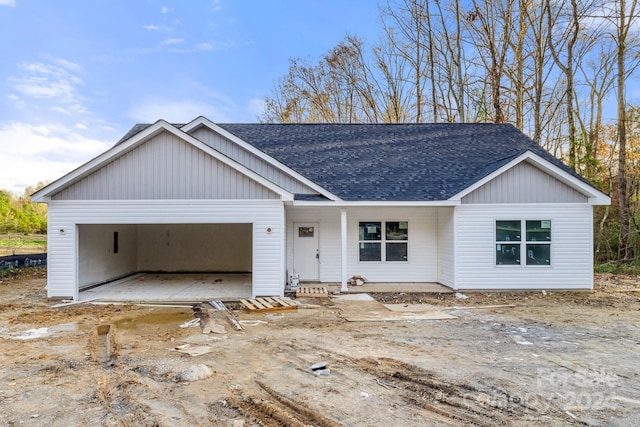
[[571, 247], [524, 183], [267, 217], [251, 161], [422, 243], [165, 167]]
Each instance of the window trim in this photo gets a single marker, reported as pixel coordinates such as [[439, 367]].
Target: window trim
[[383, 241], [523, 242]]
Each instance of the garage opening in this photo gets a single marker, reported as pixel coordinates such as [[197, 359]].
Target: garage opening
[[109, 252]]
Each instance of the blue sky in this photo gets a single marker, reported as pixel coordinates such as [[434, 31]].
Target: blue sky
[[77, 74]]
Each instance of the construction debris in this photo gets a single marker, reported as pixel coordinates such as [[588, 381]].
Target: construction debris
[[265, 304], [191, 323], [193, 350], [219, 306], [357, 281], [312, 291]]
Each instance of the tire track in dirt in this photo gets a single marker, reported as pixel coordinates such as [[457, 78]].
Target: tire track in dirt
[[460, 403], [273, 409]]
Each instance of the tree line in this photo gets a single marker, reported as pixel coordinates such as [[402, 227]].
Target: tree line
[[20, 215], [558, 71]]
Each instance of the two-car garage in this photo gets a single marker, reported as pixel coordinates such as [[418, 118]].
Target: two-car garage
[[100, 241], [110, 251]]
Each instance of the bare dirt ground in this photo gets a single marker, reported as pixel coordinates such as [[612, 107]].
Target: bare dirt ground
[[544, 359]]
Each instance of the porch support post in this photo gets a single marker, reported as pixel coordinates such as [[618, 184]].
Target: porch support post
[[343, 252]]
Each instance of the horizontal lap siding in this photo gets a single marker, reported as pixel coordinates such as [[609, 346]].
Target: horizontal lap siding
[[423, 254], [61, 265], [422, 251], [571, 248], [268, 265], [446, 246]]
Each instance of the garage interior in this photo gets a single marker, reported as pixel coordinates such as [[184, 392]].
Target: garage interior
[[165, 262]]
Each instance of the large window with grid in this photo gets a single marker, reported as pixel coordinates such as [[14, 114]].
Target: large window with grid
[[383, 241], [523, 242]]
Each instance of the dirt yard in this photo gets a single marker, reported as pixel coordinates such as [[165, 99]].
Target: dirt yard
[[533, 359]]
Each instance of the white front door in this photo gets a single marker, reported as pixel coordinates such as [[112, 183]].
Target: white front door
[[306, 254]]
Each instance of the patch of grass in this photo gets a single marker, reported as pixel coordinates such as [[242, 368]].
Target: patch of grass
[[16, 243], [613, 267]]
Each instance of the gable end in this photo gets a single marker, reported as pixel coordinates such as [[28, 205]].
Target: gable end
[[524, 183], [165, 167]]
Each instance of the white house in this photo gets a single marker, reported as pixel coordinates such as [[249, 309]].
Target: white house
[[471, 206]]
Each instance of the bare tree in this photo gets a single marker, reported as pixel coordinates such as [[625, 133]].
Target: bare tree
[[491, 22], [624, 18], [568, 38]]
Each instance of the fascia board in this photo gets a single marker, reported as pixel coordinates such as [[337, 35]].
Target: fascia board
[[371, 203], [203, 121]]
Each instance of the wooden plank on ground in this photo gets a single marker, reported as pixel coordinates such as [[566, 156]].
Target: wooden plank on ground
[[312, 291], [265, 304]]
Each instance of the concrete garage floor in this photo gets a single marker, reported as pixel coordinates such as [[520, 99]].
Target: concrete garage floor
[[172, 287]]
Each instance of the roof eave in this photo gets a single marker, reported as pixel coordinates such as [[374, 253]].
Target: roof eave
[[377, 203]]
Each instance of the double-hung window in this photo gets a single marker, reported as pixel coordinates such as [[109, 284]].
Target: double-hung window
[[383, 240], [525, 242]]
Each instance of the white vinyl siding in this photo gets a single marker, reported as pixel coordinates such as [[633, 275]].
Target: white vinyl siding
[[251, 161], [328, 220], [165, 167], [524, 183], [266, 216], [571, 248], [446, 246], [422, 244]]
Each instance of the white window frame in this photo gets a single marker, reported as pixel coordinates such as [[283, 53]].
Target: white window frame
[[523, 242], [383, 241]]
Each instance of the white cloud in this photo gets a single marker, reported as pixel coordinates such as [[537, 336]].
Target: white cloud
[[172, 41], [49, 81], [179, 111], [215, 45], [7, 2], [153, 27], [216, 5], [72, 66], [164, 10], [31, 154]]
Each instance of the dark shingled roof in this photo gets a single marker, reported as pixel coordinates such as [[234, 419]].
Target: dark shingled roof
[[390, 162]]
